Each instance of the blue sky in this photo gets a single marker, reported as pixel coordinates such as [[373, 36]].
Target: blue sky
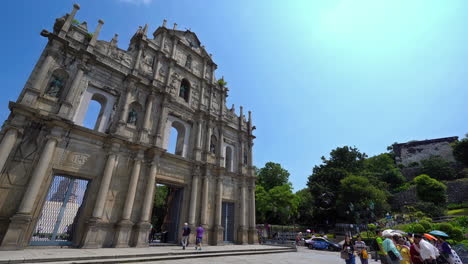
[[316, 74]]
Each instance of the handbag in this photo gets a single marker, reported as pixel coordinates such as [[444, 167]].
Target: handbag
[[392, 255], [344, 254], [364, 254]]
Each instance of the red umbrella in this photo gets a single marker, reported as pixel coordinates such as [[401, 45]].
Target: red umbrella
[[429, 236]]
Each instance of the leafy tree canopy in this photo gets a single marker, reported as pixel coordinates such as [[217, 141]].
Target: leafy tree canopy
[[430, 190], [460, 151], [272, 175], [438, 168]]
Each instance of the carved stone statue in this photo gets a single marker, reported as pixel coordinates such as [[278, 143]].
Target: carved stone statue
[[213, 142], [188, 62], [132, 117], [55, 87]]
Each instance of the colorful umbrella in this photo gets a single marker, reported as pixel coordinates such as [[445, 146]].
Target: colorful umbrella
[[431, 237], [438, 233]]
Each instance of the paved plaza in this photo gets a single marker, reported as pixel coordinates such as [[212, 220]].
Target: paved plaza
[[302, 256]]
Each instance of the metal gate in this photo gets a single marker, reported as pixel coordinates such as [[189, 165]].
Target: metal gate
[[57, 221], [174, 204], [228, 221]]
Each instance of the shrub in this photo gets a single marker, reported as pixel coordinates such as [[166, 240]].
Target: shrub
[[430, 209], [371, 227], [414, 228], [456, 234], [426, 225], [430, 190], [453, 206], [446, 227]]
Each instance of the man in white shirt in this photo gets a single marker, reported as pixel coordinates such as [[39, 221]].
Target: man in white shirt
[[428, 252]]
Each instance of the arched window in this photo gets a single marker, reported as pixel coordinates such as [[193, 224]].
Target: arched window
[[57, 83], [228, 159], [213, 143], [184, 91], [95, 112], [134, 116], [177, 139]]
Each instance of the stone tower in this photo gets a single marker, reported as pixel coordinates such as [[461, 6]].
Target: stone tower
[[158, 86]]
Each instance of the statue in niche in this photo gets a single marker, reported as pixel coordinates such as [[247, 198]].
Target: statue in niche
[[55, 87], [132, 117], [213, 142], [188, 62]]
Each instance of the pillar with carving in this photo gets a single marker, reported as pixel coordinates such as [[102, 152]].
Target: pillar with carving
[[122, 236], [143, 227], [218, 228], [91, 238], [16, 236]]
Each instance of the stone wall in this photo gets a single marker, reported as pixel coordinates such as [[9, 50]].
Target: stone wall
[[457, 192], [415, 151]]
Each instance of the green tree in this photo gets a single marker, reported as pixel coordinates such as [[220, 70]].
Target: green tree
[[276, 206], [460, 151], [160, 206], [438, 168], [430, 190], [358, 191], [383, 168], [261, 204], [272, 175], [305, 207]]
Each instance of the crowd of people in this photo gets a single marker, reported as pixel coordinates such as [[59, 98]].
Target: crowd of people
[[398, 248]]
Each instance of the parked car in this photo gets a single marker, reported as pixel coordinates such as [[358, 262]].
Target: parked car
[[322, 243]]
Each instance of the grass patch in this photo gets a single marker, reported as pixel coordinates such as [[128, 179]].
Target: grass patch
[[462, 211]]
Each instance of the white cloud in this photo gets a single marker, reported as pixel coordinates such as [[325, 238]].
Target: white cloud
[[137, 2]]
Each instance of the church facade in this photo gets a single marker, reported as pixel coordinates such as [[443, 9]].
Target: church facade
[[67, 178]]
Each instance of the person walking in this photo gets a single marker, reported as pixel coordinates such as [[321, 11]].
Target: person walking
[[382, 254], [404, 251], [198, 243], [348, 251], [185, 235], [360, 247], [389, 247], [427, 251]]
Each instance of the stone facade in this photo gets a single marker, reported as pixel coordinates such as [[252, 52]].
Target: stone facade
[[415, 151], [155, 85]]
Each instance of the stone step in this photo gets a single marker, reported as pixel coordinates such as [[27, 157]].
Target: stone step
[[153, 256]]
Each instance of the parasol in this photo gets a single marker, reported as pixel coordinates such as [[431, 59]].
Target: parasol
[[438, 233], [431, 237]]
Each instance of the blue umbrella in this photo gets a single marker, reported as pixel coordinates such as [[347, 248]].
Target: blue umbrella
[[438, 233]]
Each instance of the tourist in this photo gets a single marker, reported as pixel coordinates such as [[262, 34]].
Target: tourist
[[389, 247], [382, 254], [409, 239], [446, 251], [427, 251], [404, 251], [299, 239], [347, 252], [198, 244], [360, 247], [185, 235]]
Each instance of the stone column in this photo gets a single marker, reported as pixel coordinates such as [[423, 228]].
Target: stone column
[[218, 229], [122, 236], [161, 126], [91, 238], [8, 142], [193, 199], [41, 75], [197, 148], [66, 107], [21, 221], [147, 119], [204, 201], [123, 115], [242, 231], [38, 176], [93, 40], [252, 224], [144, 226], [67, 24]]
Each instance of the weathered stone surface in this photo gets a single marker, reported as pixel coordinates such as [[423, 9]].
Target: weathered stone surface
[[141, 98]]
